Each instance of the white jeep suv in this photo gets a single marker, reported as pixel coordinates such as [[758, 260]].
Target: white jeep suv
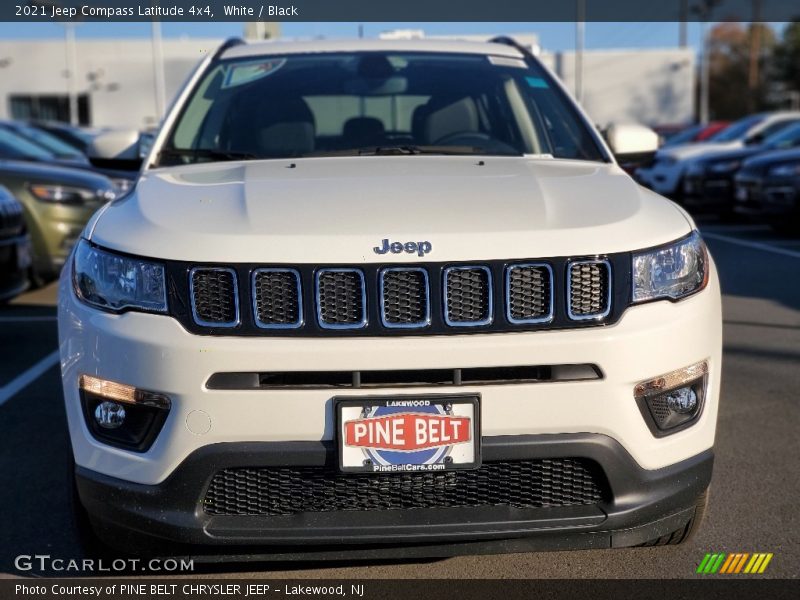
[[383, 297]]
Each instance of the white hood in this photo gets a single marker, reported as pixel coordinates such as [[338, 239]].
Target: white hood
[[689, 151], [335, 210]]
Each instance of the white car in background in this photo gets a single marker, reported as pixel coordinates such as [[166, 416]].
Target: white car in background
[[665, 174]]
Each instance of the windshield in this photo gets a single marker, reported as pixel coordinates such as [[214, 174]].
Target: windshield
[[737, 130], [376, 103], [786, 137], [46, 140], [14, 146]]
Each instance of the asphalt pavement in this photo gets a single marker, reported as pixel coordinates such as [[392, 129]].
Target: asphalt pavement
[[755, 488]]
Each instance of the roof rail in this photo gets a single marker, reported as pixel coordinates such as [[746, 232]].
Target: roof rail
[[229, 43], [509, 41]]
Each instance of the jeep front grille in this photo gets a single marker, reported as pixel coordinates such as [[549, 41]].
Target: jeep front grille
[[341, 301], [215, 297], [589, 284], [377, 299]]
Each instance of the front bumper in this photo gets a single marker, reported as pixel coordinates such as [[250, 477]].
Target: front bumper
[[642, 505], [709, 192], [662, 179], [768, 198]]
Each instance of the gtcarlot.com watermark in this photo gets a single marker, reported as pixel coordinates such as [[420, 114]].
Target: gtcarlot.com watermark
[[47, 563]]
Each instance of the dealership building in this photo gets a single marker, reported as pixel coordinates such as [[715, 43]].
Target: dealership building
[[119, 82]]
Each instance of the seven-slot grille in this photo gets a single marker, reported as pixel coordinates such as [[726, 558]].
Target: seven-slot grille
[[410, 298], [589, 284]]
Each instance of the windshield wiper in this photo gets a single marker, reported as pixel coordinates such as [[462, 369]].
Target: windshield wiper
[[414, 149], [196, 153]]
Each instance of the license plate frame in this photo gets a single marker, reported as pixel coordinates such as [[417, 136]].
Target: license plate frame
[[446, 410]]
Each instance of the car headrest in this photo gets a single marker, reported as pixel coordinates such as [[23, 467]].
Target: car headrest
[[460, 116], [363, 131]]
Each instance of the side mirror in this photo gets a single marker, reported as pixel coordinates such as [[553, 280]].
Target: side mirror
[[632, 144], [117, 150]]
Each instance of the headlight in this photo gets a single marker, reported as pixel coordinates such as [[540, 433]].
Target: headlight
[[672, 271], [67, 194], [785, 170], [725, 167], [114, 282]]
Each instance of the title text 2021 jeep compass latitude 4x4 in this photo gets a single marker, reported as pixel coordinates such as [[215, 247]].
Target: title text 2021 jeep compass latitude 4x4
[[384, 297]]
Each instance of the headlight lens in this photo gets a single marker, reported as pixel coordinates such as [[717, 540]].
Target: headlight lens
[[672, 271], [114, 282], [785, 170], [67, 194], [725, 167]]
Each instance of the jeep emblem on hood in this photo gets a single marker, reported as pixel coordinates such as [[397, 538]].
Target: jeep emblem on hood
[[421, 248]]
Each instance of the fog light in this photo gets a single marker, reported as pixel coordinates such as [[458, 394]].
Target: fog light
[[122, 415], [109, 415], [673, 401], [682, 401]]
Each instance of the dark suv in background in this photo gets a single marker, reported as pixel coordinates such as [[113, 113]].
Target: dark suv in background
[[15, 252]]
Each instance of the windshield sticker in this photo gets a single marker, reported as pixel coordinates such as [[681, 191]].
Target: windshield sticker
[[251, 71], [537, 82]]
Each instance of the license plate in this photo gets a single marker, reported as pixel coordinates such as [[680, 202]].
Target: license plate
[[741, 194], [23, 255], [404, 434]]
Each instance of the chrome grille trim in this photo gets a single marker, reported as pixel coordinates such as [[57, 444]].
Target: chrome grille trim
[[551, 283], [325, 325], [591, 316], [381, 298], [446, 296], [299, 290], [193, 297]]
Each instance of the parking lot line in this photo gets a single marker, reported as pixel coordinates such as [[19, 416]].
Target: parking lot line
[[25, 378], [749, 244]]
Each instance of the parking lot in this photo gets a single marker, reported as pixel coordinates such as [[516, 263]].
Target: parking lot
[[754, 491]]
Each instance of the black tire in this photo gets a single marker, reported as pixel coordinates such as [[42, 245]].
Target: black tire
[[688, 531]]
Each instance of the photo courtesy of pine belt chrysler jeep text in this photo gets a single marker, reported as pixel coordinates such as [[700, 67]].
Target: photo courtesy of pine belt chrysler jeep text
[[388, 298]]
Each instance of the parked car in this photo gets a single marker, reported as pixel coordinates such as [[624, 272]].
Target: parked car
[[15, 247], [669, 167], [379, 293], [61, 150], [767, 188], [14, 146], [695, 133], [57, 203], [709, 180], [77, 137]]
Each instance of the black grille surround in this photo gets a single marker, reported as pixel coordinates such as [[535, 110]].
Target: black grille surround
[[535, 483], [180, 302]]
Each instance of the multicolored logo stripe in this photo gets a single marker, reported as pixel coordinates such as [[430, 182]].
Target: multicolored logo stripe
[[734, 563]]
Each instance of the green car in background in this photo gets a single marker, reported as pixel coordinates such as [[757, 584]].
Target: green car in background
[[57, 202]]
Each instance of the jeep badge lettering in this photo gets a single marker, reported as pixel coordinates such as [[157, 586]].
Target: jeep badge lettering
[[420, 248]]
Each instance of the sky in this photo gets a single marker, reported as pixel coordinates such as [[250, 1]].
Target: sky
[[552, 36]]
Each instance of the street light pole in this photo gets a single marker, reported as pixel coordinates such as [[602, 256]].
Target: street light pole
[[158, 69], [71, 48], [580, 33]]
